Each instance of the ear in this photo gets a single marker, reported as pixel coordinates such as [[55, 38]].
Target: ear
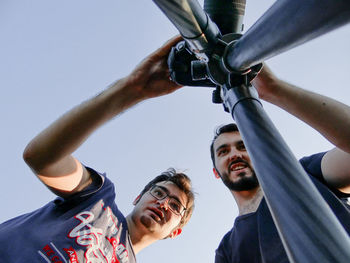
[[137, 199], [216, 174], [175, 233]]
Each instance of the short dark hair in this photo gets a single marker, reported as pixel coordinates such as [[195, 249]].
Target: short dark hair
[[183, 182], [231, 127]]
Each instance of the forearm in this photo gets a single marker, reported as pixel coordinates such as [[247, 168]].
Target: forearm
[[67, 133], [49, 153], [329, 117]]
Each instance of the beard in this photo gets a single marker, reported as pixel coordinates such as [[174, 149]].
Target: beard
[[244, 183]]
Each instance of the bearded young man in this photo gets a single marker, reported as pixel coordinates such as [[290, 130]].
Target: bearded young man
[[84, 223], [254, 237]]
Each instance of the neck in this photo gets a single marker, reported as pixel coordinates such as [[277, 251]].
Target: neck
[[139, 238], [248, 201]]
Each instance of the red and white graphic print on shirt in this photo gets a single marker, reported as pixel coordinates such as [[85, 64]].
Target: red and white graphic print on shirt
[[95, 238]]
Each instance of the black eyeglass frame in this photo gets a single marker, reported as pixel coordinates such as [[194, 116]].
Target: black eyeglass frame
[[163, 189]]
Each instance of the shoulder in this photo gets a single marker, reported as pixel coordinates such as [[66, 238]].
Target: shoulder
[[330, 168], [99, 181], [99, 188], [312, 164], [221, 252], [336, 169], [225, 242], [227, 236]]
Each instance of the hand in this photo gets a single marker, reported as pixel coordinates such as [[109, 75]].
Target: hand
[[151, 77], [266, 83]]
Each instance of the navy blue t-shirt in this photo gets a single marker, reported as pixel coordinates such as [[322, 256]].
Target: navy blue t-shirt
[[242, 245], [87, 227]]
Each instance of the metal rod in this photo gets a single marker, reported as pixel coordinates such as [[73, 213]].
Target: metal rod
[[199, 32], [227, 14], [286, 24], [309, 230]]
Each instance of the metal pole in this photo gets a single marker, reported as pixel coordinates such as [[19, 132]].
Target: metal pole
[[227, 14], [199, 32], [286, 24], [309, 230]]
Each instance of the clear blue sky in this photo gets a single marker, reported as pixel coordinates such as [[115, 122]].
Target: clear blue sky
[[55, 54]]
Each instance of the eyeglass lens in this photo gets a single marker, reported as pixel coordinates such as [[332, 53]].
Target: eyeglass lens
[[174, 205]]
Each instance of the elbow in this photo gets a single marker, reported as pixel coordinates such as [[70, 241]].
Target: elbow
[[29, 156], [37, 157]]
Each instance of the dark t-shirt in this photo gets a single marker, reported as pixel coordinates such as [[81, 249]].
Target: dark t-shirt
[[241, 244], [87, 227]]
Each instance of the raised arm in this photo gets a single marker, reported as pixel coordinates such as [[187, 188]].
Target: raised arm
[[329, 117], [49, 153]]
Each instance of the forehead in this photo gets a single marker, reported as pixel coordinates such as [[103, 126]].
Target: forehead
[[227, 138], [174, 191]]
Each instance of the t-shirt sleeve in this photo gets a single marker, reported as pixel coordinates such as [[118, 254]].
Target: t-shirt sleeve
[[312, 165], [98, 182]]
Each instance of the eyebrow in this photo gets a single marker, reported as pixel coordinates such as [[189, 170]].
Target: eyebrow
[[221, 146], [172, 196], [239, 142]]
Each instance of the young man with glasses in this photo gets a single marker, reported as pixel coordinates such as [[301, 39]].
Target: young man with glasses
[[84, 223], [254, 237]]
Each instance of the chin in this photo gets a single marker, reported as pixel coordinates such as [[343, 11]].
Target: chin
[[243, 182], [149, 223]]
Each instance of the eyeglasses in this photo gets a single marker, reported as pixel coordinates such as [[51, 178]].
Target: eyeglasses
[[174, 205]]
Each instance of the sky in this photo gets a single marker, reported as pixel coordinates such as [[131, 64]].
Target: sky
[[56, 54]]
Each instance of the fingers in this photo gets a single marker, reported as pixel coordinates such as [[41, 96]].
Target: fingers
[[172, 41], [165, 49]]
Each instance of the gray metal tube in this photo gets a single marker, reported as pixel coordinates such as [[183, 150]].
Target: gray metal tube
[[199, 32], [227, 14], [309, 230], [286, 24]]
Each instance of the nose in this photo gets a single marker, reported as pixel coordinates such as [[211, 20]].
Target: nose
[[164, 203], [235, 155]]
